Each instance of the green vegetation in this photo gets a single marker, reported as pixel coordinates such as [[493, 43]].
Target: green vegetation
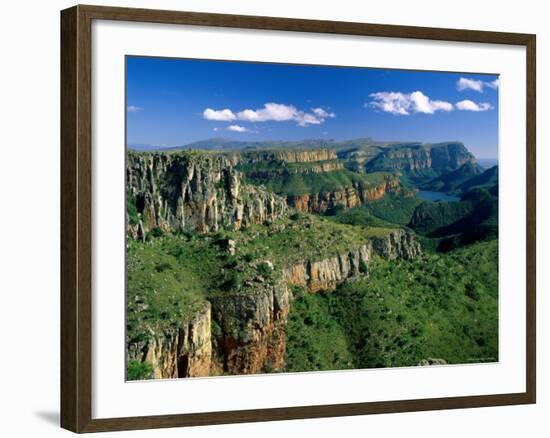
[[294, 178], [136, 370], [166, 282], [417, 177], [453, 182], [300, 237], [441, 306], [131, 209], [454, 224], [393, 208], [315, 340], [487, 180], [169, 277]]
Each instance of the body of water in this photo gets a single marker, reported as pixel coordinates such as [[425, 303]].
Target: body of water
[[428, 195]]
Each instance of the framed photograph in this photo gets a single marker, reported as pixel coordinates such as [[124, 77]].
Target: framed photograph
[[269, 218]]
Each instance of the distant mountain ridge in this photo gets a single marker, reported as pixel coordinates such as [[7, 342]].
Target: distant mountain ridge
[[227, 144]]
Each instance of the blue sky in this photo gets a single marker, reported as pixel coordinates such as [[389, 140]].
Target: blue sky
[[173, 102]]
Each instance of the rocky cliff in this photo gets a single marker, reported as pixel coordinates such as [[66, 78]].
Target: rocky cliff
[[348, 197], [287, 156], [193, 190], [252, 323], [183, 350], [328, 273], [259, 172], [441, 157]]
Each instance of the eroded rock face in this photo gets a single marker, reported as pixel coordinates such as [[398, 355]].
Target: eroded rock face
[[398, 244], [442, 157], [349, 197], [192, 190], [288, 156], [183, 351], [252, 325], [328, 273]]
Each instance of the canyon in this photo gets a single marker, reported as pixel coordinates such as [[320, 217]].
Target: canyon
[[243, 329]]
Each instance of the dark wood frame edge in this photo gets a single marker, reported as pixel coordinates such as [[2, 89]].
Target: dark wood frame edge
[[76, 172]]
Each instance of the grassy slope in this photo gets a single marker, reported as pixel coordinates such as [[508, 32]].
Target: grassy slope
[[393, 208], [439, 306], [166, 281], [302, 237], [169, 277]]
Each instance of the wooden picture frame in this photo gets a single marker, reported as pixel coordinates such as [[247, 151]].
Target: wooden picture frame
[[76, 217]]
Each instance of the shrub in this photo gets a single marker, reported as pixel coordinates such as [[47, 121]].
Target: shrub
[[131, 209], [136, 370], [265, 270], [471, 291], [157, 232], [162, 266], [248, 258], [232, 281]]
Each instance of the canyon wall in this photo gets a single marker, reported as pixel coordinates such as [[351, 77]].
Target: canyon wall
[[328, 273], [348, 197], [193, 190], [252, 326], [182, 350], [286, 156], [441, 157]]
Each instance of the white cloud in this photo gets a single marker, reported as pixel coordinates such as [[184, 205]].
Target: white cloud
[[469, 105], [423, 104], [277, 112], [406, 103], [475, 84], [225, 115], [237, 128], [134, 109], [320, 112], [304, 119], [271, 112]]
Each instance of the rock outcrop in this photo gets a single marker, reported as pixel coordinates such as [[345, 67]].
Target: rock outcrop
[[397, 244], [180, 351], [441, 157], [287, 156], [252, 335], [348, 197], [284, 170], [328, 273], [194, 190]]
